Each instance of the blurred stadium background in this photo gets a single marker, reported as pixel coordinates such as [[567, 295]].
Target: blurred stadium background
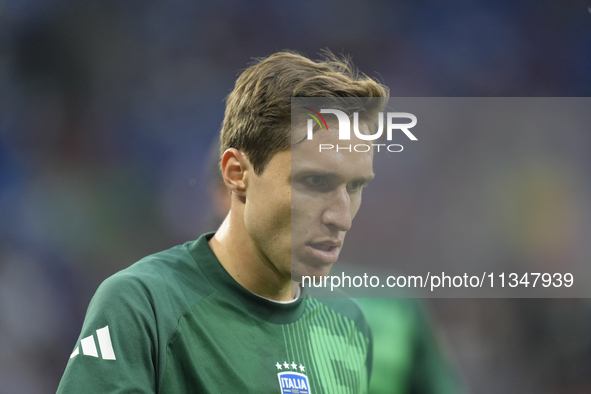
[[107, 110]]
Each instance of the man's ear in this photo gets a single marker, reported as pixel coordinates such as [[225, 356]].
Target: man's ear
[[235, 167]]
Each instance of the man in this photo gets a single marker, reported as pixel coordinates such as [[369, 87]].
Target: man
[[407, 355], [225, 314]]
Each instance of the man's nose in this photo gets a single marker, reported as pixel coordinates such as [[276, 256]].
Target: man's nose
[[338, 210]]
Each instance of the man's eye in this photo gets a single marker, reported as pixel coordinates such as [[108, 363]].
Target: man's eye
[[353, 186], [315, 180]]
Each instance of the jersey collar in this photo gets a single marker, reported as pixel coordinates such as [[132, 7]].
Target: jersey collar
[[226, 287]]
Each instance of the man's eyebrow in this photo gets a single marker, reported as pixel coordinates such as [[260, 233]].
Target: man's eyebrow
[[329, 174]]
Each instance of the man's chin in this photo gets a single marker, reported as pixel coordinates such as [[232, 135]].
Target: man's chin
[[316, 273]]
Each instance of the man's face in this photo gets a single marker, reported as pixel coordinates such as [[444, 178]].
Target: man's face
[[303, 203]]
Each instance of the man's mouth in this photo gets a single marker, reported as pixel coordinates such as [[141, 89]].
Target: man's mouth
[[325, 251], [326, 248]]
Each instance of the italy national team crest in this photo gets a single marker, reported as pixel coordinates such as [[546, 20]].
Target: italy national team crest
[[292, 382]]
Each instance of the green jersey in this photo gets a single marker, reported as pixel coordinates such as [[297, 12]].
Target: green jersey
[[407, 356], [177, 322]]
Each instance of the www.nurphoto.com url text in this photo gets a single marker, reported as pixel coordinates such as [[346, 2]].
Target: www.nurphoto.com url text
[[433, 282]]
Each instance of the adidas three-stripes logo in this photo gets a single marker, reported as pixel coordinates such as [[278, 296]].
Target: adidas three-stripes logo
[[88, 345]]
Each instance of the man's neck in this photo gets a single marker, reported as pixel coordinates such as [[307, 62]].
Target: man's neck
[[240, 257]]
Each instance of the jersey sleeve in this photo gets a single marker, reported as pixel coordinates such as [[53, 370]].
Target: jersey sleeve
[[116, 351]]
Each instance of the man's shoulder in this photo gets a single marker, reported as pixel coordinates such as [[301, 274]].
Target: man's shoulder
[[160, 266], [177, 270]]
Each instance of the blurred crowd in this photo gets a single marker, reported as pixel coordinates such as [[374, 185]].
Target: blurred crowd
[[108, 109]]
